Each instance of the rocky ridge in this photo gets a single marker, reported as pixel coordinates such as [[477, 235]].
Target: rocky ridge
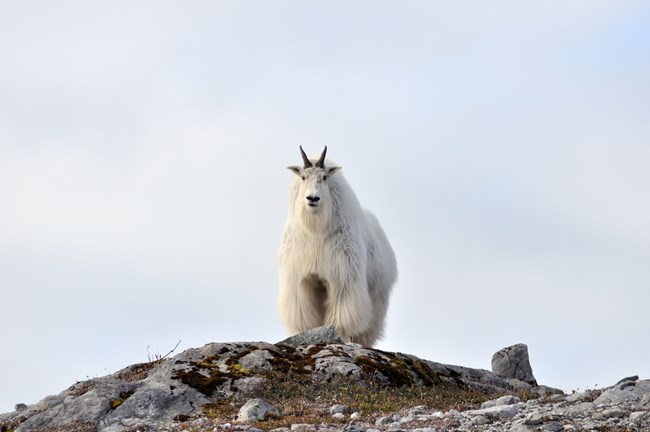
[[315, 382]]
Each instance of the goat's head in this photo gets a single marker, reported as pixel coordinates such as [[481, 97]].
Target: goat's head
[[314, 197]]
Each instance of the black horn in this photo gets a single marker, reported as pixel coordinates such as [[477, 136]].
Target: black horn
[[321, 161], [305, 159]]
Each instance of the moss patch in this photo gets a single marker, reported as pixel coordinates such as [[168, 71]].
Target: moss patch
[[208, 375], [136, 372], [120, 400], [394, 372], [197, 380], [399, 370]]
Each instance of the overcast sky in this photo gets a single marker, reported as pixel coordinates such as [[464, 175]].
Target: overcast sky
[[504, 146]]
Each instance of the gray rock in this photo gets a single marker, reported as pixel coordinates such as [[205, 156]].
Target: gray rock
[[632, 378], [386, 420], [534, 419], [608, 413], [625, 384], [318, 335], [410, 418], [349, 428], [552, 426], [480, 420], [20, 407], [255, 410], [503, 400], [638, 416], [639, 393], [248, 385], [520, 427], [513, 362], [56, 400], [90, 407], [557, 397], [582, 409], [335, 366], [418, 410], [301, 427], [257, 361], [155, 402], [494, 412], [582, 396], [339, 409], [587, 424]]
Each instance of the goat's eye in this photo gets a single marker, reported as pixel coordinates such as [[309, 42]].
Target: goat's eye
[[324, 178], [303, 177]]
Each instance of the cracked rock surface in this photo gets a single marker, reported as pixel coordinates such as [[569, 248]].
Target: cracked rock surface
[[513, 362]]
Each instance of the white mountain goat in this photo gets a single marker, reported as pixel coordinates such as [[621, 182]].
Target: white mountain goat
[[335, 263]]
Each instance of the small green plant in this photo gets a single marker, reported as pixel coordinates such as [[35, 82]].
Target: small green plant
[[120, 400], [239, 369]]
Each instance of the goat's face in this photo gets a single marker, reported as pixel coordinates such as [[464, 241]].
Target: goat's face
[[314, 199]]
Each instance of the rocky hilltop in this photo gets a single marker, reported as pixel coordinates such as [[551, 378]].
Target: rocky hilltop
[[313, 381]]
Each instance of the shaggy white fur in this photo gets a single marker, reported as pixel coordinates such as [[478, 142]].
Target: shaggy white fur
[[336, 265]]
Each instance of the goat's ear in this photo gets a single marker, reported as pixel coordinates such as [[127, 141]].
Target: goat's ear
[[294, 169], [332, 170]]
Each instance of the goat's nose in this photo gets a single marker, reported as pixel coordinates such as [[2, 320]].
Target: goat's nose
[[313, 199]]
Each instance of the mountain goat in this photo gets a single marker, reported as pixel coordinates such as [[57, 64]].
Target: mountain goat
[[335, 263]]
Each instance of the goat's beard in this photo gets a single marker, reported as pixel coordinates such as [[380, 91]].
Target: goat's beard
[[315, 219]]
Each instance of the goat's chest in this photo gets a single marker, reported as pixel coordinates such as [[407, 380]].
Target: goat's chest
[[313, 253], [328, 256]]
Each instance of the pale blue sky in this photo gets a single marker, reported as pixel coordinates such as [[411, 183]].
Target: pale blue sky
[[503, 146]]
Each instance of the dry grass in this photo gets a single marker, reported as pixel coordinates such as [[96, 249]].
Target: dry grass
[[305, 399], [136, 372]]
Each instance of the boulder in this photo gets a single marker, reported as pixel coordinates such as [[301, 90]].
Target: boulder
[[637, 392], [513, 362], [497, 411], [340, 409], [319, 335], [258, 360], [503, 400], [627, 382], [256, 410]]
